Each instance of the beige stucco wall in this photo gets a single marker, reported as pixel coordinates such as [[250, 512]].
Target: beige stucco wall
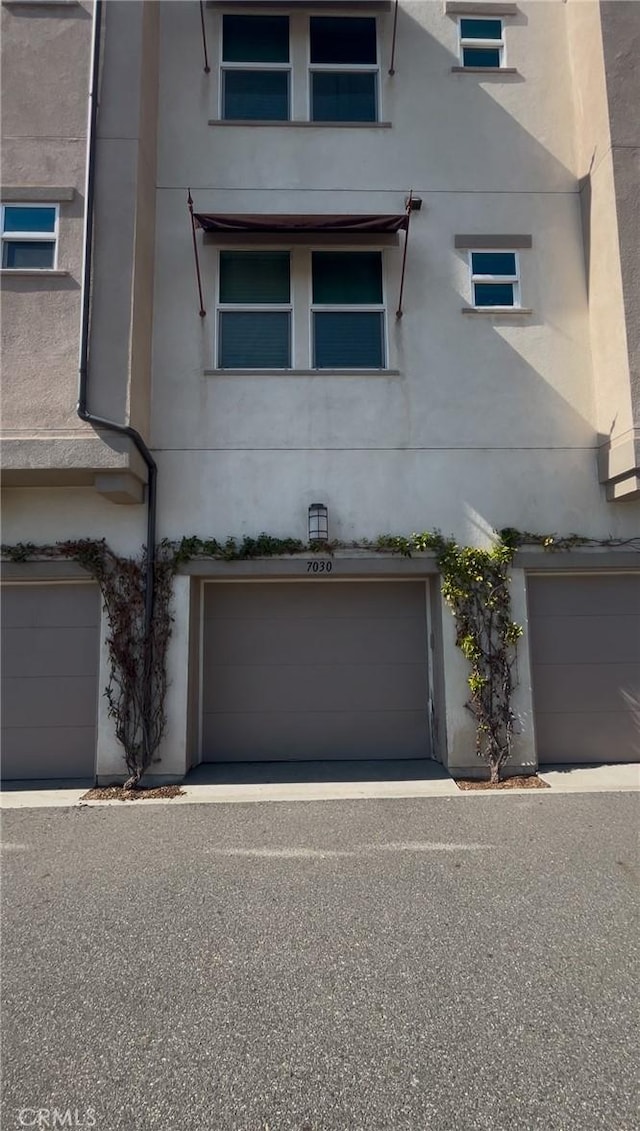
[[621, 42], [595, 166], [484, 415], [604, 39], [120, 352], [44, 144]]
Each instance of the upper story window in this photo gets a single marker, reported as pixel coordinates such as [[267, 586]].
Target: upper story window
[[259, 83], [482, 43], [338, 296], [344, 69], [347, 310], [254, 310], [495, 279], [255, 68], [29, 236]]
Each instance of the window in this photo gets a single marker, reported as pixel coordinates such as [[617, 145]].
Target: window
[[494, 278], [257, 78], [338, 295], [481, 43], [344, 69], [29, 236], [347, 310], [254, 310], [255, 68]]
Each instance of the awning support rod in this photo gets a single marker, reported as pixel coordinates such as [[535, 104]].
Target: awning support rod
[[392, 67], [399, 311], [202, 312], [207, 68]]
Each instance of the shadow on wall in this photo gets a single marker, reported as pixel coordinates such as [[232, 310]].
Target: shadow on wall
[[444, 107]]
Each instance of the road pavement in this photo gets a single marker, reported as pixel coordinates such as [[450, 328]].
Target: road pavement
[[426, 963]]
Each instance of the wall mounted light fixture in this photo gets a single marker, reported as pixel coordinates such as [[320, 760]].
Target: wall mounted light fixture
[[318, 523]]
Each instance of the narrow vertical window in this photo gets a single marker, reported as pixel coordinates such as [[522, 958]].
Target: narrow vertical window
[[254, 310], [255, 68], [481, 43], [29, 236], [495, 279], [344, 69], [348, 310]]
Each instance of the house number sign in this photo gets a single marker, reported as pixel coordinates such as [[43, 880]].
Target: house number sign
[[321, 566]]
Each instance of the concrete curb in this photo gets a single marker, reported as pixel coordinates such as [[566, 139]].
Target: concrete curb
[[620, 778]]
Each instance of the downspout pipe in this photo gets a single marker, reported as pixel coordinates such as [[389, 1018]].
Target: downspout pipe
[[82, 408]]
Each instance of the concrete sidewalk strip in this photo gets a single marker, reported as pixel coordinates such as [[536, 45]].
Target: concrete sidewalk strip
[[620, 777], [40, 798], [310, 791], [624, 778]]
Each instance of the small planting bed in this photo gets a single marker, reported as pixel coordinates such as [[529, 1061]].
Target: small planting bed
[[531, 781], [117, 793]]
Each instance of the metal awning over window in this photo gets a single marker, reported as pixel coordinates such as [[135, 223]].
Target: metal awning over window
[[304, 224]]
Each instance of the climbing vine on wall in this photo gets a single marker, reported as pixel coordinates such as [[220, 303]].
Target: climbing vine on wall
[[553, 543], [137, 685], [475, 586]]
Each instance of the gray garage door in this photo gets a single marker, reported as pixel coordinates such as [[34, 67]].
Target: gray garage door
[[50, 644], [585, 651], [319, 670]]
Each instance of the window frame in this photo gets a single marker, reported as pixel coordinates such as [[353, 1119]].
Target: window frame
[[251, 308], [483, 44], [286, 68], [343, 69], [514, 280], [351, 308], [301, 330], [30, 236]]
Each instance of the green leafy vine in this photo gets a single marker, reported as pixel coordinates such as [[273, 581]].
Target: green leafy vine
[[475, 586]]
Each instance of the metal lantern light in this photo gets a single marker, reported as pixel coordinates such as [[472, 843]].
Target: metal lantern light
[[318, 523]]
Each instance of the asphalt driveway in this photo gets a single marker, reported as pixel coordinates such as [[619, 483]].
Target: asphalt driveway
[[434, 963]]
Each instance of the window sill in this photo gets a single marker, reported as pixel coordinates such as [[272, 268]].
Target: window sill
[[40, 3], [480, 8], [35, 194], [496, 311], [484, 71], [32, 273], [301, 125], [301, 372]]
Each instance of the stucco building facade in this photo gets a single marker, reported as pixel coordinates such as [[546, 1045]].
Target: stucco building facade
[[473, 166]]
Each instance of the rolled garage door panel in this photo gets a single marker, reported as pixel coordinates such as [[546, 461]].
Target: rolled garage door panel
[[298, 736], [585, 653], [324, 670], [50, 655]]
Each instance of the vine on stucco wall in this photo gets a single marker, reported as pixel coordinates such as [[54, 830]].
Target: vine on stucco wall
[[475, 586], [137, 683]]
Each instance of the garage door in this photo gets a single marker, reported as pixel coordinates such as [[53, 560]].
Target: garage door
[[585, 651], [320, 670], [50, 644]]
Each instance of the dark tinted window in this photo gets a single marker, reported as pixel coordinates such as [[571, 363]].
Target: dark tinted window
[[343, 39], [255, 39]]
